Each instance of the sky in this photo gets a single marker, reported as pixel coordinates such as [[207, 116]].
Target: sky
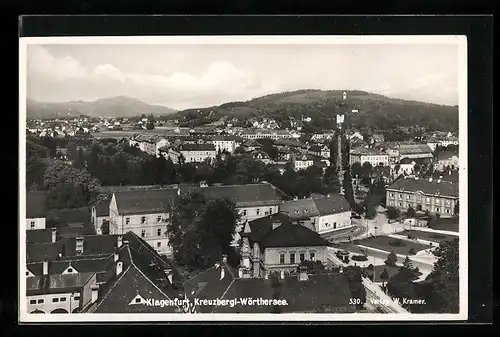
[[195, 76]]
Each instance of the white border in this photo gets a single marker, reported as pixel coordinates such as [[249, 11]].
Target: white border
[[461, 41]]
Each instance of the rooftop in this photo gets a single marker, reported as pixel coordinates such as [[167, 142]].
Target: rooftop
[[306, 208], [35, 205], [444, 188]]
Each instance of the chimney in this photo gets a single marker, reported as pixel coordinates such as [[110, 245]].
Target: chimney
[[222, 272], [45, 267], [276, 223], [282, 274], [54, 234], [224, 258], [169, 274], [79, 245], [116, 256], [119, 268], [95, 292], [303, 274], [119, 241]]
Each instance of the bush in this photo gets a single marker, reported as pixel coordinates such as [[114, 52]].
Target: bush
[[392, 258], [397, 243], [411, 237], [370, 267], [359, 258], [411, 251]]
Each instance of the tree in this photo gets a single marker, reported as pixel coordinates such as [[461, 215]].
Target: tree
[[79, 161], [358, 291], [348, 191], [370, 211], [313, 267], [384, 276], [239, 150], [367, 170], [407, 264], [331, 180], [201, 230], [356, 170], [410, 213], [393, 212], [445, 277], [392, 259]]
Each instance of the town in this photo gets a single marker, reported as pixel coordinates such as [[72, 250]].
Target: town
[[124, 211]]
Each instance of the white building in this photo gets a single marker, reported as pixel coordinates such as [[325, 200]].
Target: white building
[[323, 214], [374, 157], [223, 144], [302, 161]]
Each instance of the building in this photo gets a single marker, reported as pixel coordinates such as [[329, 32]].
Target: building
[[276, 243], [262, 156], [266, 133], [121, 279], [447, 159], [221, 143], [148, 143], [322, 151], [405, 167], [354, 136], [100, 216], [374, 157], [376, 138], [251, 145], [302, 292], [145, 212], [302, 161], [436, 196], [36, 210], [197, 153], [321, 214], [412, 151]]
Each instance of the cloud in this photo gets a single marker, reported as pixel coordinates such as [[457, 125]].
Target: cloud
[[220, 82]]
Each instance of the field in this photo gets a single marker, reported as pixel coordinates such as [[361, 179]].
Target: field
[[436, 237], [382, 242]]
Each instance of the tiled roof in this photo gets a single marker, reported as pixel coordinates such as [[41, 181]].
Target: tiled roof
[[81, 266], [413, 149], [35, 205], [102, 207], [321, 291], [143, 274], [367, 151], [92, 245], [208, 284], [45, 235], [71, 215], [292, 235], [144, 201], [444, 188], [306, 208], [197, 147], [59, 283]]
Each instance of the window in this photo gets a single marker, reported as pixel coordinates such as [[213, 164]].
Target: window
[[62, 299], [158, 244], [55, 300], [32, 224], [312, 256], [257, 211], [437, 209], [40, 301], [447, 211], [159, 231], [302, 257], [400, 196], [428, 199], [282, 258], [158, 219], [143, 219], [143, 233], [245, 212], [137, 300], [76, 298], [271, 210], [32, 301], [70, 270], [392, 194], [400, 204], [27, 273], [127, 221], [292, 258], [408, 197], [334, 225]]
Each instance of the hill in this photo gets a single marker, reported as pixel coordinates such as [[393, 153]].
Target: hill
[[374, 110], [120, 106]]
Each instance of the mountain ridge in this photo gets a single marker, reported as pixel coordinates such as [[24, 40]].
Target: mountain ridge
[[117, 106]]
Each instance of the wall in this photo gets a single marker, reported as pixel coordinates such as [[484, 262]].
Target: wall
[[148, 230], [444, 205], [39, 223], [331, 222], [69, 303], [272, 256]]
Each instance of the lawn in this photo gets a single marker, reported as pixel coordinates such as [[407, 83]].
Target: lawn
[[436, 237], [382, 242], [447, 224]]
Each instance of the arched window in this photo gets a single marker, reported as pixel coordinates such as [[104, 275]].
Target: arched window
[[59, 311]]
